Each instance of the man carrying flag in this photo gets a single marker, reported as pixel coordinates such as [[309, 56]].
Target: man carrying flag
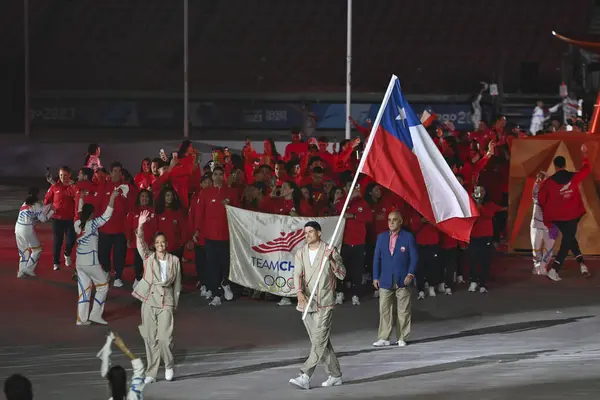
[[401, 156]]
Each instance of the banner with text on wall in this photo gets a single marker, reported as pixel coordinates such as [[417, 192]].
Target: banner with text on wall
[[262, 248]]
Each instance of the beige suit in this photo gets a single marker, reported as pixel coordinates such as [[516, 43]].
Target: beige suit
[[318, 319], [159, 299]]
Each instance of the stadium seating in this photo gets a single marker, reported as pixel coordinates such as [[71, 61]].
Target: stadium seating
[[297, 45]]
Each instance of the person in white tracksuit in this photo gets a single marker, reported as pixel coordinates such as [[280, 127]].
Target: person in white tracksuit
[[28, 244], [542, 239], [89, 270]]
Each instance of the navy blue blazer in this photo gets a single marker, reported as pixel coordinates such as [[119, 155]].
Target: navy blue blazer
[[393, 268]]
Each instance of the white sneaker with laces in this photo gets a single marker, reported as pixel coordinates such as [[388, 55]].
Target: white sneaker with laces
[[302, 381], [355, 301], [421, 295], [381, 343], [285, 301], [431, 291], [68, 261], [552, 274], [584, 270], [483, 289], [448, 292], [401, 343], [149, 380], [208, 295], [56, 267], [228, 294], [339, 298], [169, 374], [332, 381], [473, 287], [216, 301], [118, 283], [203, 290]]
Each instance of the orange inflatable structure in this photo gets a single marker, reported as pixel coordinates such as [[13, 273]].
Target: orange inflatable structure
[[533, 154]]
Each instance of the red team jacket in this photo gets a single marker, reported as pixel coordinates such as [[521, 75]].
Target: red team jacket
[[116, 223], [355, 231], [62, 198], [132, 223], [212, 214], [173, 224]]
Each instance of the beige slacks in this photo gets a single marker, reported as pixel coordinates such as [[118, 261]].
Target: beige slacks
[[318, 326], [157, 331], [387, 316]]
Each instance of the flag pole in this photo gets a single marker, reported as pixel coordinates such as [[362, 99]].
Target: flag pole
[[27, 105], [336, 231], [186, 124], [348, 69]]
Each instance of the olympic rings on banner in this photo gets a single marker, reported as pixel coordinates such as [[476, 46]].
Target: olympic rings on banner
[[278, 284]]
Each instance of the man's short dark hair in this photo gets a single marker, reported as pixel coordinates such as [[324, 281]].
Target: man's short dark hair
[[17, 387], [313, 224], [560, 162], [116, 164]]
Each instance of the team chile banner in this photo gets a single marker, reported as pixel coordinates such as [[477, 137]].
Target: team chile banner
[[262, 248]]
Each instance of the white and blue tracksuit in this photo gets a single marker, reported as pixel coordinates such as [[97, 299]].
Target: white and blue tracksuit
[[28, 243]]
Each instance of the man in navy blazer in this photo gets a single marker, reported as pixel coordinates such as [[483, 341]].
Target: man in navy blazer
[[394, 268]]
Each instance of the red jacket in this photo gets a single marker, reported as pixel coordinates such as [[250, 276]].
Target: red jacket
[[132, 223], [62, 198], [90, 198], [448, 242], [212, 212], [559, 195], [157, 185], [383, 207], [122, 206], [483, 226], [180, 178], [144, 180], [174, 225], [355, 232], [426, 234]]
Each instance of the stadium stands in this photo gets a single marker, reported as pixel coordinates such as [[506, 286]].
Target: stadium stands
[[295, 45]]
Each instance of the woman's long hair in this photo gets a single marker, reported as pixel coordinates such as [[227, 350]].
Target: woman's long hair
[[149, 161], [161, 204], [274, 152], [369, 193], [33, 196], [310, 194], [137, 200], [296, 196], [117, 380], [183, 148], [92, 150], [86, 212]]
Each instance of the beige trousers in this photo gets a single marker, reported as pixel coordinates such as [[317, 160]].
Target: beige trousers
[[387, 316], [157, 331], [318, 326]]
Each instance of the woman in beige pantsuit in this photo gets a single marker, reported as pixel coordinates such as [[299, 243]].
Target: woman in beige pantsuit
[[159, 293]]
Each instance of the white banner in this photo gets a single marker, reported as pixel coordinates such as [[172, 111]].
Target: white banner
[[262, 248]]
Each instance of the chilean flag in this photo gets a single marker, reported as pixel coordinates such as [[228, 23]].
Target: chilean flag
[[401, 156]]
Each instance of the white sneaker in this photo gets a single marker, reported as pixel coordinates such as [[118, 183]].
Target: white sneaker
[[118, 283], [552, 274], [208, 295], [460, 279], [376, 294], [441, 288], [98, 320], [169, 373], [542, 270], [401, 343], [339, 298], [203, 290], [483, 289], [431, 291], [473, 287], [332, 381], [20, 274], [448, 292], [216, 301], [381, 343], [421, 295], [355, 301], [285, 301], [68, 261], [83, 323], [228, 294], [302, 381], [584, 270], [135, 283], [149, 380], [56, 267]]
